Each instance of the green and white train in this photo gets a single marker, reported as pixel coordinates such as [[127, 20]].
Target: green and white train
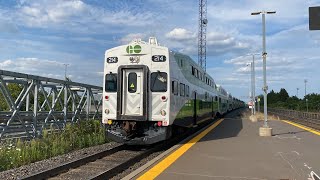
[[150, 91]]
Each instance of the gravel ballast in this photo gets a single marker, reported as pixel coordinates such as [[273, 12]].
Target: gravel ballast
[[26, 170]]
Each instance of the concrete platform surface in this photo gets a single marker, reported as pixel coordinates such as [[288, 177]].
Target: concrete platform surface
[[234, 150]]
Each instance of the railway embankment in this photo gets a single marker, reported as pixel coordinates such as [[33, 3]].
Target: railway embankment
[[16, 153]]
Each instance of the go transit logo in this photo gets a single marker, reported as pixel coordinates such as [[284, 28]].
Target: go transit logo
[[133, 49]]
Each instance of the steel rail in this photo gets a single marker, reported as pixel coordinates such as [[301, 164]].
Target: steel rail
[[76, 163]]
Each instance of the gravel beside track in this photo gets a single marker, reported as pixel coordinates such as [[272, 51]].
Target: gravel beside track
[[136, 165], [107, 164], [46, 164]]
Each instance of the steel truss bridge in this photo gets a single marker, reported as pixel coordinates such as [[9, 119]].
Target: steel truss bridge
[[44, 103]]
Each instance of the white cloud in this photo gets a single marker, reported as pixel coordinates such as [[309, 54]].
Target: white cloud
[[47, 13], [84, 72], [79, 16], [180, 34], [30, 65], [286, 10], [217, 42], [129, 37], [127, 18]]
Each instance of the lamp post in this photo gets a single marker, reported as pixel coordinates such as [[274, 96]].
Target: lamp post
[[252, 88], [265, 87], [254, 82]]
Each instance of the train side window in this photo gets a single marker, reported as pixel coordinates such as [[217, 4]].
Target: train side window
[[187, 90], [174, 87], [132, 82], [182, 89], [216, 98], [158, 82], [192, 70], [111, 83]]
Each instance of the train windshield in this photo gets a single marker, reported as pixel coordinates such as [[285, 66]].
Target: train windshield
[[111, 83], [158, 82]]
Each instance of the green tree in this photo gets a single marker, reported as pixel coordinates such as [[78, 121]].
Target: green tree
[[272, 97], [283, 95], [14, 90]]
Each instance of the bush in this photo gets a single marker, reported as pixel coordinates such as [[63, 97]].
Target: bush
[[52, 143]]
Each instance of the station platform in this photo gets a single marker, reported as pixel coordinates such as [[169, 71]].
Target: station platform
[[233, 149]]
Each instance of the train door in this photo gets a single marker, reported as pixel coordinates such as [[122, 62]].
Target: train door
[[132, 92]]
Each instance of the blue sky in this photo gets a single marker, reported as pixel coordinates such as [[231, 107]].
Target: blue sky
[[39, 36]]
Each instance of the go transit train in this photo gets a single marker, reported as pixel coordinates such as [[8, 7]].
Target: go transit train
[[150, 92]]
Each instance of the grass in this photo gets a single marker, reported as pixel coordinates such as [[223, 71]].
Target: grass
[[73, 137], [260, 116]]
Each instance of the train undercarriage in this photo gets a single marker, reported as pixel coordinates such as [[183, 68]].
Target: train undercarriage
[[138, 132]]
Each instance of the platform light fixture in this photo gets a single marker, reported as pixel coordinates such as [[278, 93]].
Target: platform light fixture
[[253, 81], [264, 56]]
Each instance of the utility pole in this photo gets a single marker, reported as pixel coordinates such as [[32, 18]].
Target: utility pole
[[253, 82], [265, 130], [254, 85], [297, 92], [65, 70], [305, 93], [251, 89], [252, 93], [305, 87], [202, 34], [258, 104]]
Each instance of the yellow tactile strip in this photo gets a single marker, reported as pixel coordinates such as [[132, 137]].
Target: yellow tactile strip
[[303, 127], [165, 163]]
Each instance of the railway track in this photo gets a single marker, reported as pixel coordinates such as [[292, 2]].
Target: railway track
[[65, 168], [103, 165], [106, 164], [109, 163]]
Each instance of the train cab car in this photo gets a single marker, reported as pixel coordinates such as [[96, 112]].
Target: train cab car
[[136, 102], [149, 90]]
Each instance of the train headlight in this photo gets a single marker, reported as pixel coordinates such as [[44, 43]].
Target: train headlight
[[163, 112], [107, 111], [109, 122], [163, 98]]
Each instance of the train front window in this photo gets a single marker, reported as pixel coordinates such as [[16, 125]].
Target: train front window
[[111, 83], [158, 82]]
